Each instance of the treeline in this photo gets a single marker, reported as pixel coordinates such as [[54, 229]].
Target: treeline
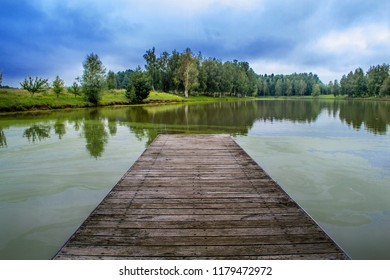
[[376, 82], [290, 85], [189, 73]]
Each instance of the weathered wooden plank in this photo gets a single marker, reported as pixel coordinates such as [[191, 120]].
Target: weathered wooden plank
[[107, 240], [198, 197], [193, 202], [237, 232], [153, 195], [115, 204], [287, 221], [200, 251], [250, 217], [197, 211], [324, 256], [188, 203]]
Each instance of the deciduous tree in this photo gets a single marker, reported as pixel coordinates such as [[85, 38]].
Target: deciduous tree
[[385, 88], [152, 65], [279, 88], [376, 76], [316, 90], [188, 71], [34, 85], [93, 78], [163, 61]]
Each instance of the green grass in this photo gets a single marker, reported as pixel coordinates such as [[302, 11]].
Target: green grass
[[162, 97], [114, 97], [20, 100]]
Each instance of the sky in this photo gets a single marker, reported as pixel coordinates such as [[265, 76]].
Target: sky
[[46, 38]]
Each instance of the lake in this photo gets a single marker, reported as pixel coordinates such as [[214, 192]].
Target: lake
[[332, 157]]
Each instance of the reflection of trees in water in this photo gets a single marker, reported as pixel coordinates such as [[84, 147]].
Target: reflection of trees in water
[[59, 128], [235, 118], [96, 137], [3, 139], [375, 116], [112, 126], [95, 134], [91, 123], [293, 110], [37, 132]]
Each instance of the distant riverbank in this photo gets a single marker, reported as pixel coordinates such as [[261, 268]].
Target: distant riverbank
[[15, 100]]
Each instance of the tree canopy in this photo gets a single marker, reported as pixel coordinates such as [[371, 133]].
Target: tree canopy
[[189, 73], [93, 78], [34, 85], [194, 74], [359, 84]]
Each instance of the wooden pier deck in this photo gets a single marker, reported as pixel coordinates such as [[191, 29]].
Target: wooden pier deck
[[198, 197]]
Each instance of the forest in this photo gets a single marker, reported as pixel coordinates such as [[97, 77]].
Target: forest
[[376, 82], [187, 73], [194, 74]]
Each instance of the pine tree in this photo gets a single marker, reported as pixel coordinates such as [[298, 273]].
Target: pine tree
[[111, 80], [58, 86]]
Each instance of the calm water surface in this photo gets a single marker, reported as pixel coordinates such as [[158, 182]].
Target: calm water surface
[[333, 158]]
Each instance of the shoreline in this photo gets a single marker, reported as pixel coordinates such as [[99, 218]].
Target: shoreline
[[15, 100]]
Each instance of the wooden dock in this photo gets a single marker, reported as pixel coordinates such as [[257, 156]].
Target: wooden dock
[[198, 197]]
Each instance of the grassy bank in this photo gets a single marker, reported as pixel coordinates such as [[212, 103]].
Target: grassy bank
[[13, 100]]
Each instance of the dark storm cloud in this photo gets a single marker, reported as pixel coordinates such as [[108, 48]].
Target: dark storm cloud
[[50, 37]]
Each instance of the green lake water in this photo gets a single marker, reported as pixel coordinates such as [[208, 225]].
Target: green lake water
[[332, 157]]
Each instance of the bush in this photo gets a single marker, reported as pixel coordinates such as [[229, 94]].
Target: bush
[[138, 88]]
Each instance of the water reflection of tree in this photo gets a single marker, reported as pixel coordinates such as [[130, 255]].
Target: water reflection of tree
[[112, 126], [374, 116], [59, 128], [95, 134], [3, 139], [235, 118], [37, 132], [293, 110]]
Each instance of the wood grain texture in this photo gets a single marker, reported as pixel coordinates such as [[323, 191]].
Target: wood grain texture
[[198, 197]]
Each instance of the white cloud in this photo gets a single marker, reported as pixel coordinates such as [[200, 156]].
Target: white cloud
[[362, 39]]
